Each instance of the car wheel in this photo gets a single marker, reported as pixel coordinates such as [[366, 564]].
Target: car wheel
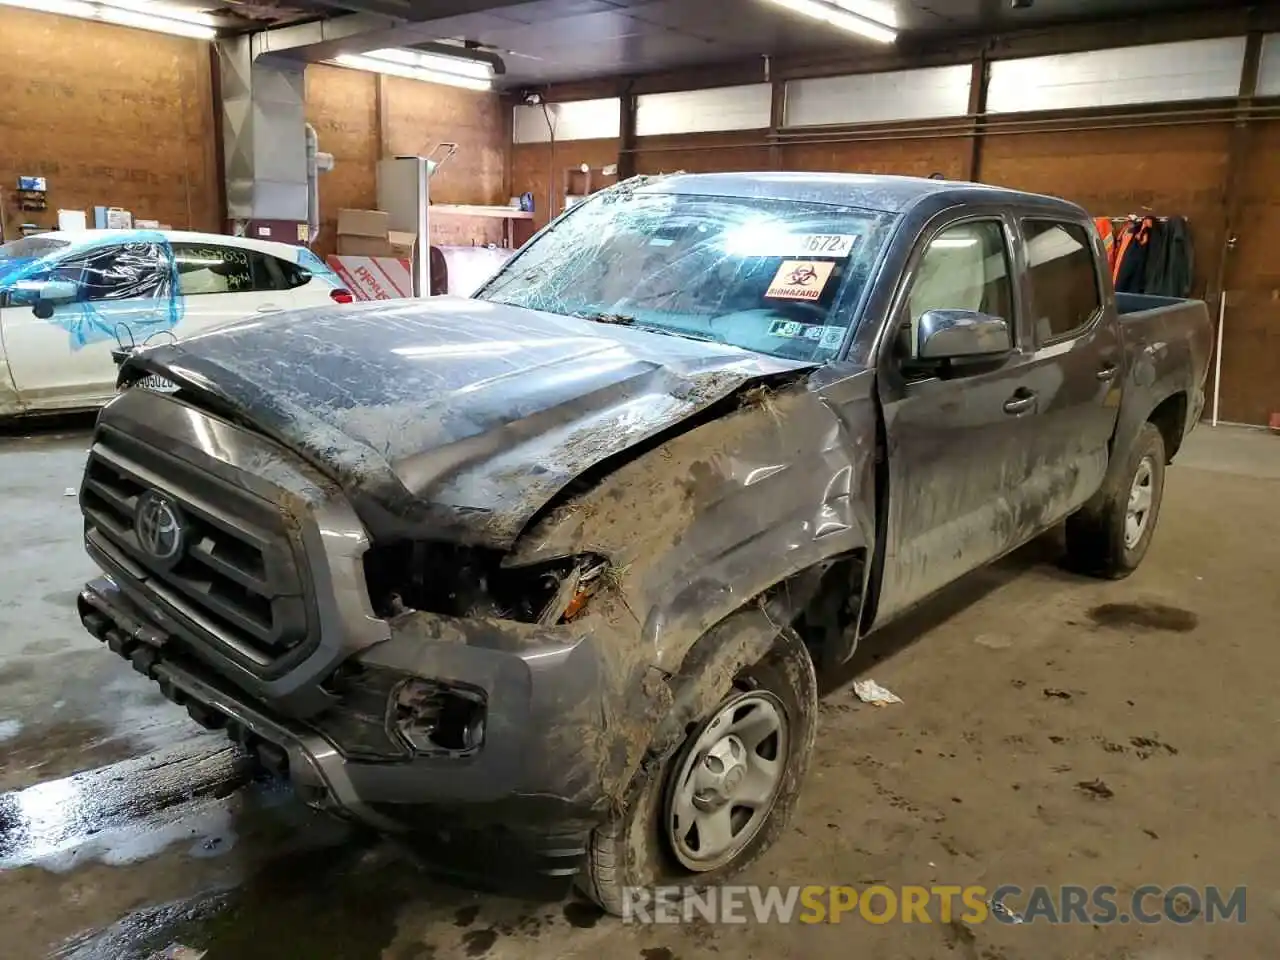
[[725, 795], [1110, 535]]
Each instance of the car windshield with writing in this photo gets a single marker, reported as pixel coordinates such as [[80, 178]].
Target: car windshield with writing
[[778, 277]]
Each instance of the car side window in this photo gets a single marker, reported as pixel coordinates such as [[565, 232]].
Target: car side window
[[292, 275], [126, 271], [215, 268], [964, 267], [1064, 280]]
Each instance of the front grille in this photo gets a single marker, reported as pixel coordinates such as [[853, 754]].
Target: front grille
[[236, 582]]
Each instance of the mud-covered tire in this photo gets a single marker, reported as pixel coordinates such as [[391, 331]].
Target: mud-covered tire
[[632, 849], [1096, 534]]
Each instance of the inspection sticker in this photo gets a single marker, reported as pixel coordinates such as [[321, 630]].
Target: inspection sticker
[[826, 244], [800, 280]]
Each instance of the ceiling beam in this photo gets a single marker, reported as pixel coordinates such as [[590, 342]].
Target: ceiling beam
[[371, 25]]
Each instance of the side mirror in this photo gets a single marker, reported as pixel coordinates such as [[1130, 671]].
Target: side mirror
[[962, 335], [51, 293]]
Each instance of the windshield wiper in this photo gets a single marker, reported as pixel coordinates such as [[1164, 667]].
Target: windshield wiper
[[619, 319], [703, 337]]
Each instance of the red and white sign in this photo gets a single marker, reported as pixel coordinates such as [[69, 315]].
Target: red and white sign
[[374, 278]]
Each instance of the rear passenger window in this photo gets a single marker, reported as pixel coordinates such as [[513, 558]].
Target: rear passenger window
[[1064, 281], [292, 274], [213, 268]]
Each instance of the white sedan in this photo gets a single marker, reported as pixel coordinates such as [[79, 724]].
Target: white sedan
[[68, 300]]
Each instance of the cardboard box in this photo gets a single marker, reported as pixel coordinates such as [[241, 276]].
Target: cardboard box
[[353, 246], [402, 243], [363, 223]]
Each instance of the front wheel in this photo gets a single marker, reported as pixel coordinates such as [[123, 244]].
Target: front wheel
[[1109, 536], [724, 797]]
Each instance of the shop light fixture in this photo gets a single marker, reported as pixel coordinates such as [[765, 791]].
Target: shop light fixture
[[840, 14], [144, 15], [461, 65], [432, 68]]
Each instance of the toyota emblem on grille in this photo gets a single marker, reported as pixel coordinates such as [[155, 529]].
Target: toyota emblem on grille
[[158, 526]]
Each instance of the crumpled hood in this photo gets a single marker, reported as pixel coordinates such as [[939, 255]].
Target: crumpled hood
[[453, 418]]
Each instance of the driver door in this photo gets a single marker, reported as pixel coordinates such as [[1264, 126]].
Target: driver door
[[956, 441], [123, 294]]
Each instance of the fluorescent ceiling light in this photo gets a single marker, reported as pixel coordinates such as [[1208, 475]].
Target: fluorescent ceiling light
[[463, 66], [377, 65], [146, 21], [129, 13], [841, 18], [70, 8], [168, 11], [877, 10]]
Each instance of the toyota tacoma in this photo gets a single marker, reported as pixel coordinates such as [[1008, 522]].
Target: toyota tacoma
[[558, 562]]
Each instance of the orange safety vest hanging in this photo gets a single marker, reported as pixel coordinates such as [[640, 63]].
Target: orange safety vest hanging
[[1107, 232]]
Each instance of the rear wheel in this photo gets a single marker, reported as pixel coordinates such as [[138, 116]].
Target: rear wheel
[[725, 796], [1109, 536]]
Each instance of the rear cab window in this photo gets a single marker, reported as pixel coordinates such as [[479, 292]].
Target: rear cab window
[[1065, 294]]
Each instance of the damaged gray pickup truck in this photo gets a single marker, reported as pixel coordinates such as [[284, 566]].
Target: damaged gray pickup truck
[[557, 563]]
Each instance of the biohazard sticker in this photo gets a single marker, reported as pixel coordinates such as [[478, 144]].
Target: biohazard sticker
[[800, 280]]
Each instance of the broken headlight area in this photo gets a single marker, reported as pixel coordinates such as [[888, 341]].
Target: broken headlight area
[[470, 582], [387, 715]]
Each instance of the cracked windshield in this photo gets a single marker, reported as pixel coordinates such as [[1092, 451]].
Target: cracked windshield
[[777, 277]]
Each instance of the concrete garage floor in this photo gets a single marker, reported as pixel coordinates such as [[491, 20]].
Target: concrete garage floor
[[124, 830]]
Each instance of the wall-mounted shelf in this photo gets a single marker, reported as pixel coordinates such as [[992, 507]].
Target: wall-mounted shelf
[[476, 210], [506, 214]]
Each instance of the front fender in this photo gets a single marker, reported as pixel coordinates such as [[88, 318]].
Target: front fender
[[711, 519]]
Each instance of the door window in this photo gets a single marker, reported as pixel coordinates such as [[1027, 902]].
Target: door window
[[1064, 279], [127, 271], [214, 268], [964, 267]]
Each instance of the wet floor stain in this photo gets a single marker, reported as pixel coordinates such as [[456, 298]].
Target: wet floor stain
[[477, 943], [326, 902], [18, 672], [466, 916], [582, 915], [41, 752], [1145, 616], [123, 812], [657, 953]]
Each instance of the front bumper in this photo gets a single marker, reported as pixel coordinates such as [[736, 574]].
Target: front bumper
[[518, 788]]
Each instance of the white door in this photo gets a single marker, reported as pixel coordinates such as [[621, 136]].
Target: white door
[[123, 293]]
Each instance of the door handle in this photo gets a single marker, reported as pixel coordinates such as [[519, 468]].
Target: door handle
[[1021, 401], [270, 308], [1106, 372]]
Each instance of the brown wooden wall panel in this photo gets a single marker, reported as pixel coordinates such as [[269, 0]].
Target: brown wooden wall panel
[[417, 116], [342, 106], [913, 158], [111, 116], [1112, 173], [703, 153], [536, 169], [1251, 333]]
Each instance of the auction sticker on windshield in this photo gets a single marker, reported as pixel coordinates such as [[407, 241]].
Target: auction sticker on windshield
[[800, 280], [827, 244]]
